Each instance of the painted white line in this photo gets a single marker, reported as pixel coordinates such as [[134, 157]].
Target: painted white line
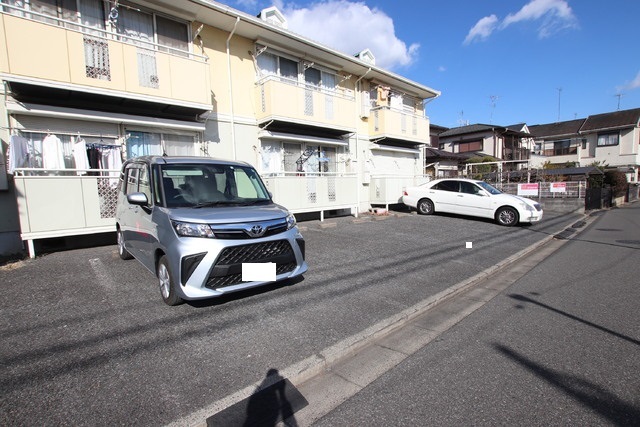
[[104, 279]]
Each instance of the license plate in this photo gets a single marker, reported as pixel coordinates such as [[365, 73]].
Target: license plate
[[259, 272]]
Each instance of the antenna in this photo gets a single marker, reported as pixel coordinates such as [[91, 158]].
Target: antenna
[[619, 95], [461, 120]]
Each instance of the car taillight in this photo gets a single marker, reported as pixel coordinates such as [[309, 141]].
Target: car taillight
[[404, 193]]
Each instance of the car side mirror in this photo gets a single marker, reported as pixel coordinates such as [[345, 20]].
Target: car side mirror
[[139, 199]]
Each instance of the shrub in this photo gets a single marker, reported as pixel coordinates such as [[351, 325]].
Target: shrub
[[618, 182]]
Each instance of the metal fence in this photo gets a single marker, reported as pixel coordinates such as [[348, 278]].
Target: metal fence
[[549, 190]]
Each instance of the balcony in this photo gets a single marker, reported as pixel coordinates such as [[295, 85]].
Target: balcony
[[314, 192], [393, 123], [69, 55], [387, 189], [288, 100]]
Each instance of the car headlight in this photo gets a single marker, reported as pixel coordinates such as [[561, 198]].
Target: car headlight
[[291, 221], [187, 229], [527, 206]]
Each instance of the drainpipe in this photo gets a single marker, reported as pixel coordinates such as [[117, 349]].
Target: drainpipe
[[358, 175], [233, 122]]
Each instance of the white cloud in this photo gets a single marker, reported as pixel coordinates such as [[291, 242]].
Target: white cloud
[[442, 68], [351, 27], [482, 29], [633, 84], [555, 15]]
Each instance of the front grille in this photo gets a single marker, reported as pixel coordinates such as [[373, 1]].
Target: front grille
[[241, 234], [217, 282], [227, 270], [254, 253]]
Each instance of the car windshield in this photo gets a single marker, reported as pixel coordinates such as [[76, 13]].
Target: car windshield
[[207, 185], [488, 187]]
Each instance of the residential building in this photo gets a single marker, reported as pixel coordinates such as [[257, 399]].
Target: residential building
[[499, 142], [329, 131], [608, 139]]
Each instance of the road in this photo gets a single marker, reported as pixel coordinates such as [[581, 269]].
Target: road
[[87, 340], [559, 344]]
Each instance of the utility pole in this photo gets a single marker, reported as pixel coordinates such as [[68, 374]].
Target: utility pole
[[559, 89], [493, 98]]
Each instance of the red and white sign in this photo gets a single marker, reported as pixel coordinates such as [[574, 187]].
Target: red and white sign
[[558, 187], [528, 189]]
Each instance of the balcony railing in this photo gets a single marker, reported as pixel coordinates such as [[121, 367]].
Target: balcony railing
[[290, 100], [69, 53], [313, 192], [393, 123], [387, 189]]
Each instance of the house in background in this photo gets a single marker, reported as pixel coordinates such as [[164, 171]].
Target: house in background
[[328, 131], [608, 139], [510, 144]]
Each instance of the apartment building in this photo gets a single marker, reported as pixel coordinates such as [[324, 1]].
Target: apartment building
[[329, 131]]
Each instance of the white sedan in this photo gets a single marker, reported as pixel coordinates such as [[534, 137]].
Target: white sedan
[[471, 197]]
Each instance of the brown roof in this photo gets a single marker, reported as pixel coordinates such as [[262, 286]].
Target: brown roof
[[559, 129], [615, 120]]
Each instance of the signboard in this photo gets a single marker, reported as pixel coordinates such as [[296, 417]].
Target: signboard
[[528, 189], [558, 187]]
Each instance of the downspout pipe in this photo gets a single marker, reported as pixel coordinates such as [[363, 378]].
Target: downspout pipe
[[233, 121], [360, 168]]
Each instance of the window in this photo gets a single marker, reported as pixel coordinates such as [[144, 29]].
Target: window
[[292, 153], [465, 147], [141, 143], [270, 64], [172, 35], [447, 186], [143, 183], [563, 148], [96, 58], [608, 139], [469, 188], [132, 180]]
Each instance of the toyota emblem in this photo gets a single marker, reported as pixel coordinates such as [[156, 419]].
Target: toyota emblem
[[256, 231]]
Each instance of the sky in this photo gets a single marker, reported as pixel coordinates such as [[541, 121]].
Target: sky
[[498, 62]]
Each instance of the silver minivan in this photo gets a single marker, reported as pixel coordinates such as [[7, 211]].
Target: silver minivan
[[205, 227]]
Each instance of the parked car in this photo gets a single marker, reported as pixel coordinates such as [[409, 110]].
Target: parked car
[[471, 197], [205, 227]]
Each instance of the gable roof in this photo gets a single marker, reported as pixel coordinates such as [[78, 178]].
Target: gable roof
[[480, 128], [615, 120], [568, 128], [461, 130]]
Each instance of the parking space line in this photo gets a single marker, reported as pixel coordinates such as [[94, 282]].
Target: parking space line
[[104, 279]]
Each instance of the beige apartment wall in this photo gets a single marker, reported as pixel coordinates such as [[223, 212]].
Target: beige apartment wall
[[56, 54]]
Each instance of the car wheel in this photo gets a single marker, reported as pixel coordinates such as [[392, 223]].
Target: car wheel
[[122, 251], [167, 285], [425, 207], [507, 216]]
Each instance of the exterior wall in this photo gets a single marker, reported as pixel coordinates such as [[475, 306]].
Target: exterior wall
[[65, 48], [236, 102]]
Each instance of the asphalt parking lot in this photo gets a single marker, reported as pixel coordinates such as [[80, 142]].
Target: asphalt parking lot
[[87, 339]]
